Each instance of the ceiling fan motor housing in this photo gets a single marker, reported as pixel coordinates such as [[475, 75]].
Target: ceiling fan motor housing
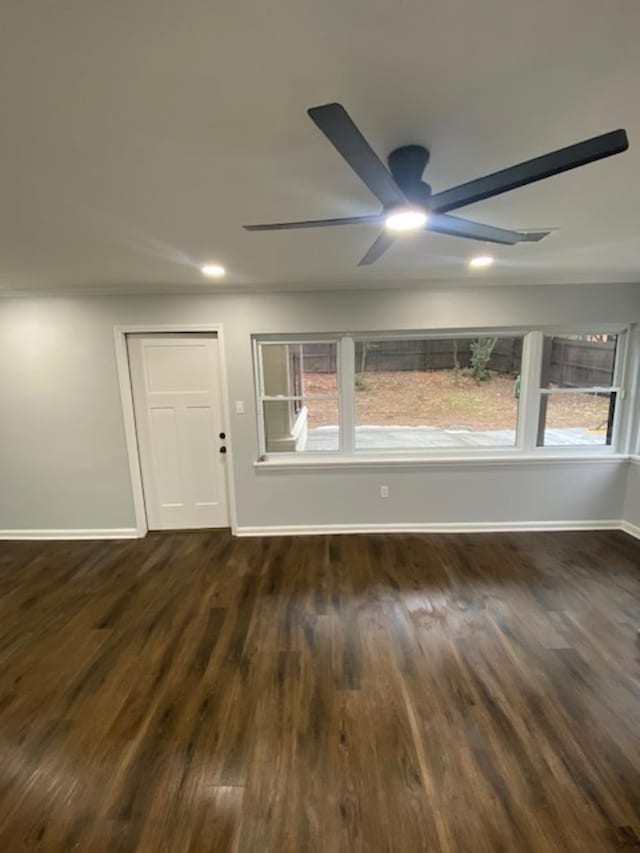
[[406, 165]]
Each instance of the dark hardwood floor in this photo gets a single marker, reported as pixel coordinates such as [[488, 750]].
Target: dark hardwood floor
[[340, 693]]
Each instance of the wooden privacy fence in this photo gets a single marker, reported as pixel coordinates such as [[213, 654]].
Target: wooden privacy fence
[[568, 362], [410, 354], [573, 363]]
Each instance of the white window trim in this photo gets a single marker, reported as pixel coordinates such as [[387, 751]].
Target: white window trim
[[310, 461], [529, 408], [346, 372], [261, 397], [525, 450], [617, 387], [630, 381]]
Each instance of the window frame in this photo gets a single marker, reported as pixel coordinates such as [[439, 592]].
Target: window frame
[[617, 387], [261, 397], [531, 393]]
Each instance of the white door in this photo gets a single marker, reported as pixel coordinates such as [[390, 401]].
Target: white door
[[175, 381]]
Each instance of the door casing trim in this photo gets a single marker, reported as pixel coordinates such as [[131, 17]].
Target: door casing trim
[[126, 397]]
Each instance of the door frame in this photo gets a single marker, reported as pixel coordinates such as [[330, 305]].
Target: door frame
[[126, 397]]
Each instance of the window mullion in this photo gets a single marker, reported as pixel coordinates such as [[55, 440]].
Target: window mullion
[[262, 440], [346, 383], [528, 410], [627, 376], [580, 389]]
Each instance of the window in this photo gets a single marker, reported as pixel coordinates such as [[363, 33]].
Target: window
[[299, 396], [454, 392], [465, 394], [578, 391]]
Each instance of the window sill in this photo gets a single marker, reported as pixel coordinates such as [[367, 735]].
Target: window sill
[[505, 459]]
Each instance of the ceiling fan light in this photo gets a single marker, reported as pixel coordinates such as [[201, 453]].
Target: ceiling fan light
[[481, 261], [406, 219], [213, 270]]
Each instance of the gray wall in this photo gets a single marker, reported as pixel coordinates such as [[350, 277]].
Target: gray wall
[[63, 462]]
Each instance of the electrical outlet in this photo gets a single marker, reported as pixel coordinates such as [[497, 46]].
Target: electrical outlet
[[384, 491]]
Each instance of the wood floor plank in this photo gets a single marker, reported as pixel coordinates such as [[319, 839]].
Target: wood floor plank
[[195, 692]]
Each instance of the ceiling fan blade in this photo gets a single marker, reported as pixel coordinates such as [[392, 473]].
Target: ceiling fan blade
[[334, 121], [379, 246], [374, 218], [455, 226], [530, 171], [535, 236]]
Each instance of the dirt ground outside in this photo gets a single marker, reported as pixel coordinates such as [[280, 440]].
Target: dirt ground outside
[[441, 399]]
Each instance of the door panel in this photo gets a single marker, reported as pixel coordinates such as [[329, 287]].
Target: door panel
[[175, 381], [177, 367], [163, 433], [202, 447]]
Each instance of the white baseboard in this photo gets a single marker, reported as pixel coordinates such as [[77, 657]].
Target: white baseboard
[[631, 529], [82, 533], [324, 529], [430, 527]]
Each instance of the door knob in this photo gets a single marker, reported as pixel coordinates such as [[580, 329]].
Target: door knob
[[223, 435], [223, 449]]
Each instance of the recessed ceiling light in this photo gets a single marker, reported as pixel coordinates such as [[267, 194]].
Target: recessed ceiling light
[[481, 261], [213, 270], [406, 219]]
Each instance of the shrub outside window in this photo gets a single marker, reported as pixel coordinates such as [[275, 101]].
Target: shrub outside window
[[421, 393]]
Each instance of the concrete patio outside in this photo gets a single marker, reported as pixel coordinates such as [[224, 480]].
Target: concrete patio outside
[[325, 438]]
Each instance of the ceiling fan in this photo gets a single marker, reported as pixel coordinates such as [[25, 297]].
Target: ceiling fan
[[407, 202]]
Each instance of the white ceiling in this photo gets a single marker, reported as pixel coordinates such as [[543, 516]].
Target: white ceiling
[[137, 136]]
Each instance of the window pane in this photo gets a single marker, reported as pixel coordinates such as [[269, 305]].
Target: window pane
[[445, 392], [292, 426], [576, 419], [299, 370], [578, 361]]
